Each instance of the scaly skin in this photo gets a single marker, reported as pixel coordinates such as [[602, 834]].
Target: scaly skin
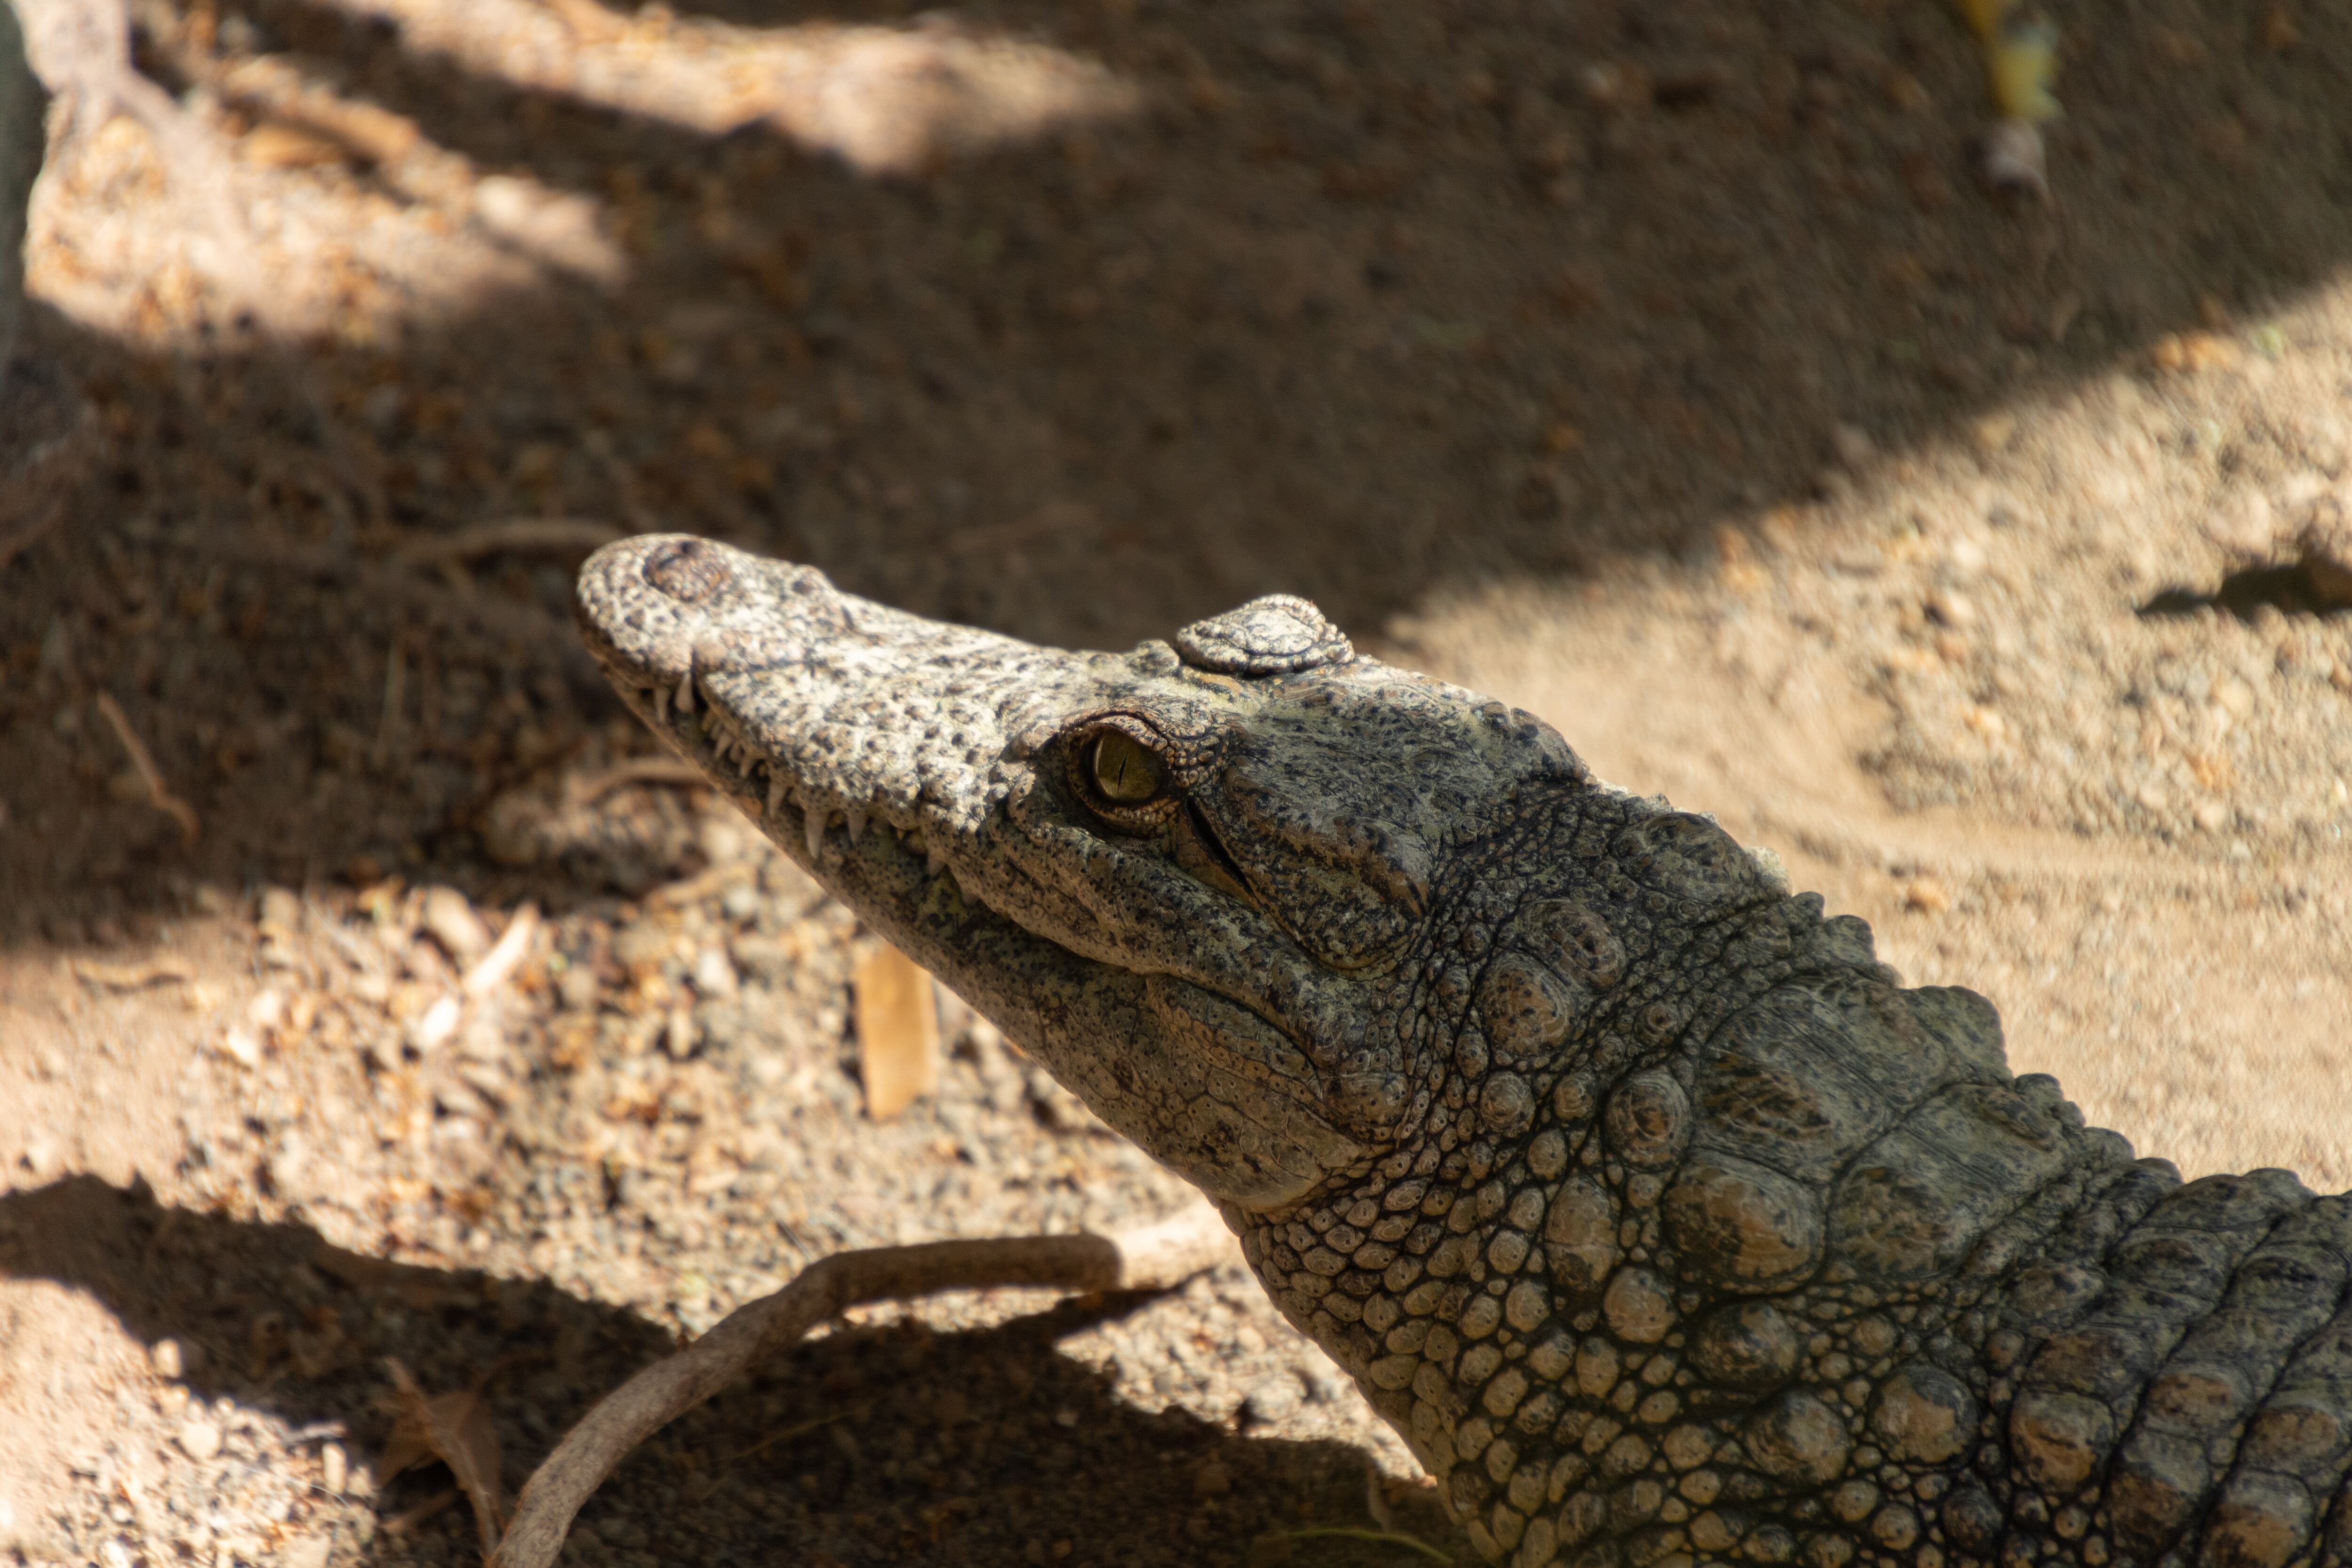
[[1663, 1222]]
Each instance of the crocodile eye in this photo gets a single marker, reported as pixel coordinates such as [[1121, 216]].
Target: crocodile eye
[[1124, 771]]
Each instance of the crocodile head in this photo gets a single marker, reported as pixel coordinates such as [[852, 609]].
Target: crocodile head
[[1656, 1215], [1198, 881]]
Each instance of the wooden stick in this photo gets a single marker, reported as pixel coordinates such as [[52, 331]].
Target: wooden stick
[[1153, 1258], [559, 535], [158, 792]]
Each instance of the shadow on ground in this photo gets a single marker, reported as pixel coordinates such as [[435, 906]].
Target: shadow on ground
[[869, 1446], [1370, 303], [2288, 588]]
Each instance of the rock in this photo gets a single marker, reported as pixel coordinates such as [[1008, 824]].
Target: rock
[[306, 1552], [714, 973], [643, 948], [1271, 1400], [2326, 545], [1951, 608], [281, 911], [2014, 160], [1926, 895], [2245, 529], [199, 1438]]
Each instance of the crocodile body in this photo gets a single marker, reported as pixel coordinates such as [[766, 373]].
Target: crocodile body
[[1660, 1218]]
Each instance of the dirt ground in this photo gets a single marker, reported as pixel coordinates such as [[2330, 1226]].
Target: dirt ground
[[1666, 369]]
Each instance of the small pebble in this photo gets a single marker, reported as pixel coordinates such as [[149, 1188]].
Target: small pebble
[[2014, 160], [1927, 896], [199, 1438], [241, 1046], [335, 1468], [714, 973], [1272, 1399], [165, 1356], [1953, 609], [306, 1552]]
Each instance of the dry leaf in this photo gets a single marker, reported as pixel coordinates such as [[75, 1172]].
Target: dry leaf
[[2024, 63], [455, 1429], [898, 1032]]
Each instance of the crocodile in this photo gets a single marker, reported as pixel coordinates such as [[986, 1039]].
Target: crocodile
[[1653, 1211]]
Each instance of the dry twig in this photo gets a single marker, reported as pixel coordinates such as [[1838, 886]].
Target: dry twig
[[594, 786], [508, 534], [707, 883], [134, 976], [158, 792], [1151, 1258], [497, 965]]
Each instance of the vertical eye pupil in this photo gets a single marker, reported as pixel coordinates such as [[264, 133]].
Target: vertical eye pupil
[[1124, 771]]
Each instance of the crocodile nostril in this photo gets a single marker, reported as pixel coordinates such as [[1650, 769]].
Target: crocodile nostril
[[688, 569]]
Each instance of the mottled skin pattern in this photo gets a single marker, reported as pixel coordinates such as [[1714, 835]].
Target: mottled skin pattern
[[1658, 1214]]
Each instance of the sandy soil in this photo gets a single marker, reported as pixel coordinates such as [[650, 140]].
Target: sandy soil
[[1666, 370]]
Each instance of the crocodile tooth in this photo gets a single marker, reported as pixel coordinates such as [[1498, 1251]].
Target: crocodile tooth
[[686, 692], [855, 816], [777, 779], [935, 860], [661, 706], [812, 825], [746, 761]]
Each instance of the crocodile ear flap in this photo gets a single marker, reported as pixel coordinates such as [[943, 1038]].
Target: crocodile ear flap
[[1280, 634]]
